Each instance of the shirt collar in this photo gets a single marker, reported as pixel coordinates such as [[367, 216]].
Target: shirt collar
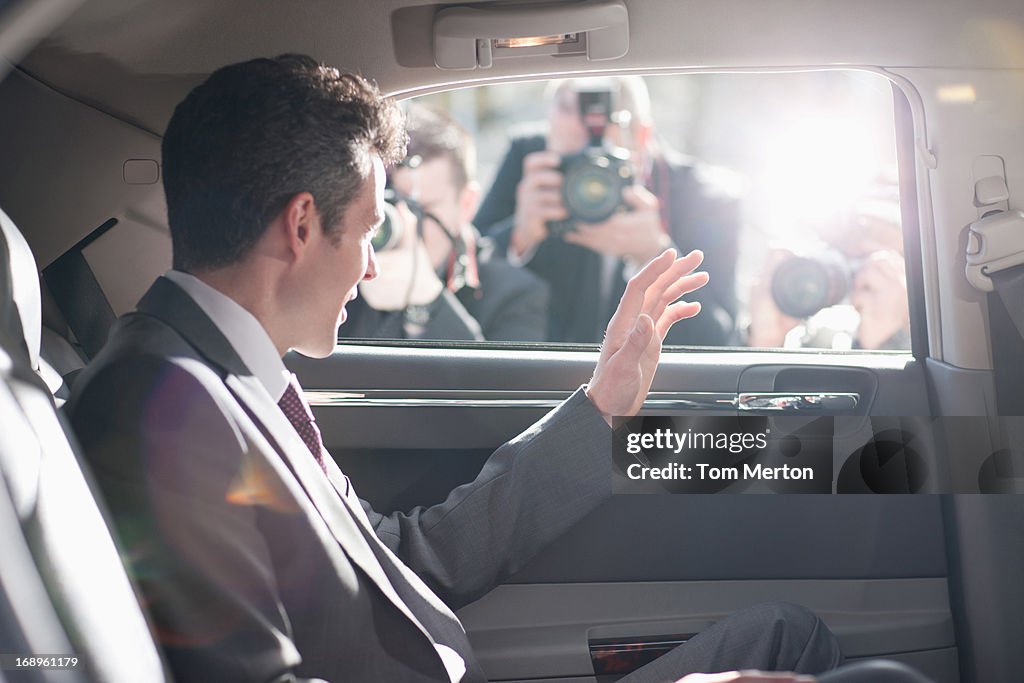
[[242, 330]]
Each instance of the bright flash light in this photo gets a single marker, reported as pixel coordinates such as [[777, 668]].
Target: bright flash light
[[534, 41], [816, 167]]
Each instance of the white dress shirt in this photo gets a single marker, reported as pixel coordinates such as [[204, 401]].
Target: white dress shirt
[[242, 330]]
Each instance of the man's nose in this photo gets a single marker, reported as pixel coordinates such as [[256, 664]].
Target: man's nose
[[371, 265]]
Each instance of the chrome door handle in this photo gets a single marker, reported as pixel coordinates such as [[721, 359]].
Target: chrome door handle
[[788, 402]]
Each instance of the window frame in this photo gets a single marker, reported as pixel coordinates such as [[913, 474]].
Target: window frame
[[909, 126]]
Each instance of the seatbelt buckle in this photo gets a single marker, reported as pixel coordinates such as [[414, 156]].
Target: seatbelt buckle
[[994, 243]]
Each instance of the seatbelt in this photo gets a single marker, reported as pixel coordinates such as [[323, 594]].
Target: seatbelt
[[1006, 326], [79, 296], [995, 264]]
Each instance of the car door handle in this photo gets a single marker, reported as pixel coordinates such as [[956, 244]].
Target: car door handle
[[789, 402]]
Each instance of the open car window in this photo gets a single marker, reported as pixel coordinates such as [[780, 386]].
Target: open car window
[[523, 208]]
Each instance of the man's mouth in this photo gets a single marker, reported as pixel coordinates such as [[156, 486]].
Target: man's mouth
[[343, 314]]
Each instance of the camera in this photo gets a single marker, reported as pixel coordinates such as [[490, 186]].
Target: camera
[[804, 285], [389, 234], [593, 179]]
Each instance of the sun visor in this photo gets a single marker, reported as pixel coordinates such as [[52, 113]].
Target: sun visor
[[471, 37]]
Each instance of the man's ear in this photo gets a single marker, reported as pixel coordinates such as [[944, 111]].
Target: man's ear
[[469, 201], [298, 221]]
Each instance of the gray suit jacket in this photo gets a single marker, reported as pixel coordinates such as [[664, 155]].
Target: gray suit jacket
[[256, 567]]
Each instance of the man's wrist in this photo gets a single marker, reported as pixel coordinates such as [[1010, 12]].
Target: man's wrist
[[520, 246], [588, 392], [519, 258]]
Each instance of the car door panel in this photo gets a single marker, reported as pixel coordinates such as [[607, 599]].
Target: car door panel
[[410, 422], [516, 636]]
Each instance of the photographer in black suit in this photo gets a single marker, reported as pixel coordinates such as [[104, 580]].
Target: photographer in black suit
[[442, 280], [672, 202]]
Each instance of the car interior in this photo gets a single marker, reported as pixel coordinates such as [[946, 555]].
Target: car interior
[[926, 572]]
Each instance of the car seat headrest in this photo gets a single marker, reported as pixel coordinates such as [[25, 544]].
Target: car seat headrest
[[20, 286]]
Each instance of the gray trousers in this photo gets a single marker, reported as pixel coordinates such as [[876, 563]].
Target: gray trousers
[[772, 636]]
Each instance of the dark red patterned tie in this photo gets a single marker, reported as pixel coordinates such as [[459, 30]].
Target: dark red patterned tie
[[298, 413]]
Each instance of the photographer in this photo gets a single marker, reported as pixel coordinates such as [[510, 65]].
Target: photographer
[[670, 201], [794, 301], [438, 278]]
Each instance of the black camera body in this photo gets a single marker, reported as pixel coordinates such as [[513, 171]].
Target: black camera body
[[804, 285], [593, 179]]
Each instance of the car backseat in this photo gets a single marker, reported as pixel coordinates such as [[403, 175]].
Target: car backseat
[[63, 587]]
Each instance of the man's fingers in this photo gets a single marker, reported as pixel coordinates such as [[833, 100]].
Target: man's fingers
[[553, 213], [540, 160], [684, 285], [681, 267], [542, 203], [646, 288], [544, 179], [678, 311], [633, 298]]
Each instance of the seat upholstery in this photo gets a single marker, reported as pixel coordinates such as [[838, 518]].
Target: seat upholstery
[[45, 349], [24, 291], [28, 620], [42, 481]]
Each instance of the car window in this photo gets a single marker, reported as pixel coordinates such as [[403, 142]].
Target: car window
[[523, 208]]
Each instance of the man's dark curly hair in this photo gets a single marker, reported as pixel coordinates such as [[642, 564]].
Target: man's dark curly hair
[[254, 135]]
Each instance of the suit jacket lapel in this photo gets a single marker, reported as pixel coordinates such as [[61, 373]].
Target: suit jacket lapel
[[166, 301], [444, 626], [249, 391]]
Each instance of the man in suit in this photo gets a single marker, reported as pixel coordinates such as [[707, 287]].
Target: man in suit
[[673, 202], [479, 294], [252, 553]]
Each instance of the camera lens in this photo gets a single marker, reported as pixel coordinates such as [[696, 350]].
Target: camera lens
[[802, 286], [389, 234], [593, 184]]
